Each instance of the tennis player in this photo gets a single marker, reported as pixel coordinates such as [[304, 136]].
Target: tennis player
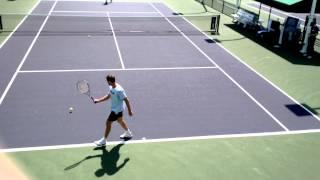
[[106, 3], [118, 96]]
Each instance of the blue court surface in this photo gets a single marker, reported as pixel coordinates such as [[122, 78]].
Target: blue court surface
[[179, 84]]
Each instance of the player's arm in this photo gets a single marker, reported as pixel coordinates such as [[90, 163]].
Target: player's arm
[[103, 98], [126, 100]]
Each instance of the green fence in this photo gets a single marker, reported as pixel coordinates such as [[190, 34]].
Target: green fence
[[224, 7]]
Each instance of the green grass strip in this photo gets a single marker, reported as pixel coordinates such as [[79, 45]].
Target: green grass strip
[[293, 157]]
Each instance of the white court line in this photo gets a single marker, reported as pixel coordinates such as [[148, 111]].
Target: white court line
[[125, 1], [77, 0], [26, 55], [116, 42], [127, 69], [15, 29], [178, 139], [104, 12], [253, 70], [226, 74]]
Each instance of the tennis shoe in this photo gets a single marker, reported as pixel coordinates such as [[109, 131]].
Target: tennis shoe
[[126, 135], [100, 142]]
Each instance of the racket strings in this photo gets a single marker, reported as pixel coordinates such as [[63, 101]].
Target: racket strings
[[83, 87]]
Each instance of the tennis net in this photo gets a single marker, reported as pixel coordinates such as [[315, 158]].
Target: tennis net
[[104, 24]]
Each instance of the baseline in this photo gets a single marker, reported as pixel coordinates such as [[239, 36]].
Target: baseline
[[264, 134]]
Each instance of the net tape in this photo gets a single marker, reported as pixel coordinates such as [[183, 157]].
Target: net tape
[[100, 25]]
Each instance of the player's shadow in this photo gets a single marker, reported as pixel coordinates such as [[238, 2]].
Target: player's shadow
[[108, 161]]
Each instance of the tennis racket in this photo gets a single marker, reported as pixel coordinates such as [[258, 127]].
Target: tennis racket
[[84, 88]]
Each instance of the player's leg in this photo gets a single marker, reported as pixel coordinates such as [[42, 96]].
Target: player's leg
[[102, 142], [123, 124], [108, 129]]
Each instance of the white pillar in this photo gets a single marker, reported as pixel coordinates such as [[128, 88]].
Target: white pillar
[[238, 3], [308, 30]]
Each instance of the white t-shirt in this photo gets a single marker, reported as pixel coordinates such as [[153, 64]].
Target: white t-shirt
[[117, 96]]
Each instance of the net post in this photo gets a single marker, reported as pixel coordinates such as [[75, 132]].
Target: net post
[[215, 21]]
